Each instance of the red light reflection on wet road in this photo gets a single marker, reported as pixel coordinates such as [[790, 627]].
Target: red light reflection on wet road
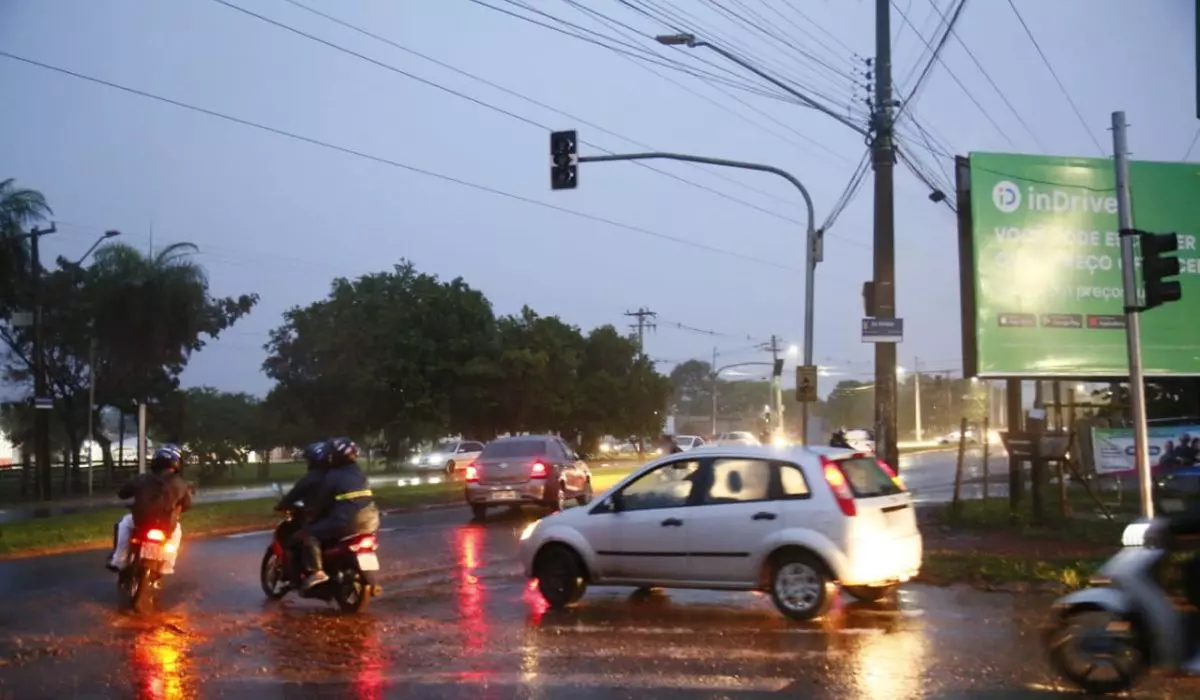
[[470, 598], [160, 665]]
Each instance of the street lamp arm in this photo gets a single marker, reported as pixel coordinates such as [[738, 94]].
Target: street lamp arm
[[743, 364], [783, 86], [715, 161]]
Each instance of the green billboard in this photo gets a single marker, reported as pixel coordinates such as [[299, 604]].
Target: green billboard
[[1041, 259]]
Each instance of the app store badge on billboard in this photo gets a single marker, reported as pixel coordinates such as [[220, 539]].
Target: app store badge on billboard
[[1045, 267]]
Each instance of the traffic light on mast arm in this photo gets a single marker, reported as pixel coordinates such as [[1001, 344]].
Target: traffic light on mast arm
[[1159, 267], [564, 160]]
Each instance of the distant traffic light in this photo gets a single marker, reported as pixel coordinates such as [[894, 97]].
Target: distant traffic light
[[1158, 265], [564, 160]]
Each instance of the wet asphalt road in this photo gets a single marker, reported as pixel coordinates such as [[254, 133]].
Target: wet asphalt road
[[458, 621]]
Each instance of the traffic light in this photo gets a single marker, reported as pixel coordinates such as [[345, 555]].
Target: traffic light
[[564, 160], [777, 369], [1158, 265]]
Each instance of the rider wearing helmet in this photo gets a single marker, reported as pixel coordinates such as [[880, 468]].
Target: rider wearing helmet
[[346, 504], [158, 499]]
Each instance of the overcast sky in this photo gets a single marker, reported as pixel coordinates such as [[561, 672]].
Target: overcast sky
[[282, 217]]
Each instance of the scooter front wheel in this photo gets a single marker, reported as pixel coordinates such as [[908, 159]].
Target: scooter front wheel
[[1098, 651]]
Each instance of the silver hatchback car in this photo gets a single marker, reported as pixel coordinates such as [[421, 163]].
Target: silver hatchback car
[[527, 470]]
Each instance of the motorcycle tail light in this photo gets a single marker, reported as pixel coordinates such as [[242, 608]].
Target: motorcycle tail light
[[365, 544], [156, 536]]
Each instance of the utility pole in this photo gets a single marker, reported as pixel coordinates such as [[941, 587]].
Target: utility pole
[[883, 159], [917, 396], [642, 324], [714, 394], [42, 404]]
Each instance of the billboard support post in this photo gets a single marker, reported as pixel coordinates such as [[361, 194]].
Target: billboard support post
[[1133, 336]]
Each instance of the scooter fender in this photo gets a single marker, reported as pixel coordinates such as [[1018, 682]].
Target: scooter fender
[[1110, 599], [1164, 636]]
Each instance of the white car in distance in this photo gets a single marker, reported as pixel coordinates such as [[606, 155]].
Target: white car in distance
[[688, 442], [737, 437], [795, 522]]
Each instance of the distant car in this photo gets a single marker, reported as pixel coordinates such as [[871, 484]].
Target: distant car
[[954, 437], [737, 437], [689, 442], [449, 456], [527, 470], [794, 522]]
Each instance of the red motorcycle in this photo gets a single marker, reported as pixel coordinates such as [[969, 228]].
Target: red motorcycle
[[352, 564]]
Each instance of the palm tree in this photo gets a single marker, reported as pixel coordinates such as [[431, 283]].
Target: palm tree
[[19, 207]]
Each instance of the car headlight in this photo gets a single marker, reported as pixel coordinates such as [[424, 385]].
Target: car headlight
[[529, 530], [416, 459]]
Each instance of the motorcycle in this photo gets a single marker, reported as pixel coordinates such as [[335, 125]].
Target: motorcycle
[[352, 564], [1137, 626], [141, 577]]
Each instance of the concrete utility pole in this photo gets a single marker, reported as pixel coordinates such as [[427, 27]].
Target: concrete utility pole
[[714, 394], [42, 403], [884, 159], [917, 396], [642, 324]]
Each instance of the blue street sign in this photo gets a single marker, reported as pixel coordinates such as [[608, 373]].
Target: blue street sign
[[882, 330]]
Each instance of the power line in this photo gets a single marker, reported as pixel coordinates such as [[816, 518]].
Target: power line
[[1191, 145], [1054, 73], [481, 103], [936, 58], [394, 163], [987, 76]]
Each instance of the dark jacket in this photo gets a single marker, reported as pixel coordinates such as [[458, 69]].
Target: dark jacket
[[344, 492], [157, 498], [307, 489]]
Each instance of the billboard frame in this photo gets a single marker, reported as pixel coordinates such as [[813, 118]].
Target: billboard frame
[[969, 303]]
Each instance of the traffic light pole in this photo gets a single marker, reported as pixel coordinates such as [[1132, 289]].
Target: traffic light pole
[[1133, 334], [815, 250]]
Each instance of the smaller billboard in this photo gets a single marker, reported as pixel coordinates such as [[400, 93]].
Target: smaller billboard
[[1114, 453]]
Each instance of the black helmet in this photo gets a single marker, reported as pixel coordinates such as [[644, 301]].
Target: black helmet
[[167, 456], [317, 455], [343, 451]]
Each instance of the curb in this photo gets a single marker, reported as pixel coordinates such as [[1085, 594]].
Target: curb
[[207, 534]]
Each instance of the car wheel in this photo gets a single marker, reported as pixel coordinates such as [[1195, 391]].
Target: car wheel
[[586, 497], [559, 576], [800, 587], [870, 594], [479, 511]]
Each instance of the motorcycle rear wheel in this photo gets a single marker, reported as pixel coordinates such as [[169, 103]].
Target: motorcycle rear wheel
[[351, 591], [135, 585]]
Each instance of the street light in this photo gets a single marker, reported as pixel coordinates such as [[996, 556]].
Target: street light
[[92, 366]]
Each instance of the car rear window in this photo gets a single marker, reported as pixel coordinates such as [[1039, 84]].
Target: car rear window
[[867, 479], [514, 448]]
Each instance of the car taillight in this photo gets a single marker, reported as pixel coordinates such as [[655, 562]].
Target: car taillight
[[892, 474], [472, 473], [836, 478], [538, 471], [366, 544], [156, 536]]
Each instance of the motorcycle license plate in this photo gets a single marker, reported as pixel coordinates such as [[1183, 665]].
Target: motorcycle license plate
[[368, 562], [504, 495], [152, 552]]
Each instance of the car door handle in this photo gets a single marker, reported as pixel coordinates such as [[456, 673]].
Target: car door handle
[[763, 516], [672, 522]]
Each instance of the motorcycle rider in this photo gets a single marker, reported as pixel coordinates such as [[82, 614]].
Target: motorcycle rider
[[306, 489], [346, 504], [159, 497]]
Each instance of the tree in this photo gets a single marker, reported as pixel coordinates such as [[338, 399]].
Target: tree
[[398, 352], [691, 387], [217, 427], [19, 208], [537, 368], [851, 404], [618, 390]]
